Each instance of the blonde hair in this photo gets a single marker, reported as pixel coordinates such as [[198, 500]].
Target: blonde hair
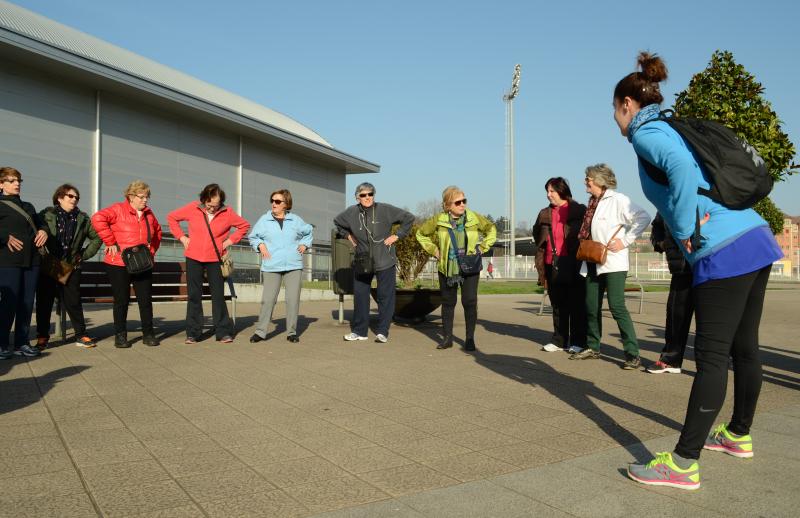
[[602, 176], [135, 187], [449, 194]]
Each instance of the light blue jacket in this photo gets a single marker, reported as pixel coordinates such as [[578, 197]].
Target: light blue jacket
[[281, 243], [678, 202]]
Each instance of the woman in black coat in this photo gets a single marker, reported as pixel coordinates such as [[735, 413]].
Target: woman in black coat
[[21, 232], [556, 235]]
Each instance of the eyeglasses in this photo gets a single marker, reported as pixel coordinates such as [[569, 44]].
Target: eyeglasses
[[587, 181], [142, 196], [458, 203], [365, 194], [275, 202], [12, 180], [212, 208], [72, 196]]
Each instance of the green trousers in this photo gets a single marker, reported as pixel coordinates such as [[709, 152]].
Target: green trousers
[[614, 284]]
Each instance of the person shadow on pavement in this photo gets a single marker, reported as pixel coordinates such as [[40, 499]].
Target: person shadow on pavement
[[18, 393], [580, 394]]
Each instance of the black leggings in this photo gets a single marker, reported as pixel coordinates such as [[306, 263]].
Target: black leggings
[[469, 301], [727, 316], [121, 282]]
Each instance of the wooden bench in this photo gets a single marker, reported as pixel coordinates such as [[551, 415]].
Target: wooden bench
[[632, 289], [169, 285]]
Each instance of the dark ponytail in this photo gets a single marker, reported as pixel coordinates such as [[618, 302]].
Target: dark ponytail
[[642, 86]]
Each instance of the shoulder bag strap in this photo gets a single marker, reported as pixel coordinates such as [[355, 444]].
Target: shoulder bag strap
[[553, 243], [211, 234], [147, 224], [24, 214], [614, 235]]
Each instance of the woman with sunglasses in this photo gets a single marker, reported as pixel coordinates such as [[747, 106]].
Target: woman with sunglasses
[[368, 226], [210, 217], [281, 237], [123, 225], [68, 230], [472, 234], [21, 232]]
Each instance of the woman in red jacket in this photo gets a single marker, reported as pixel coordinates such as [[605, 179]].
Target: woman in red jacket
[[120, 226], [210, 216]]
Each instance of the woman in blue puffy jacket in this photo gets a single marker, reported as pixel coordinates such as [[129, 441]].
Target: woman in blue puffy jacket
[[281, 238], [731, 267]]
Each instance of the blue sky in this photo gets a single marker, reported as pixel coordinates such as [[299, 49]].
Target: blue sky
[[417, 86]]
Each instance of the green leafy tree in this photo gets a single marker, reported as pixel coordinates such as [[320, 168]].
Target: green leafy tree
[[411, 258], [727, 93]]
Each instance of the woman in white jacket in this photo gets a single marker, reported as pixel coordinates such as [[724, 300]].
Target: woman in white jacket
[[610, 218]]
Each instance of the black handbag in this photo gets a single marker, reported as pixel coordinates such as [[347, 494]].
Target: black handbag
[[468, 264], [138, 258], [362, 262]]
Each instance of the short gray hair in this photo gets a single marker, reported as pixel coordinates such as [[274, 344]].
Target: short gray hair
[[602, 176], [365, 186]]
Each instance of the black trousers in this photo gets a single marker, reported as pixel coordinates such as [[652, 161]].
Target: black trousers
[[70, 296], [194, 307], [680, 308], [469, 301], [17, 291], [121, 282], [728, 314], [387, 294], [568, 300]]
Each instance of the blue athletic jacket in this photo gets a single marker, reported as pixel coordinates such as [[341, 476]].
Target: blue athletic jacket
[[281, 243], [662, 146]]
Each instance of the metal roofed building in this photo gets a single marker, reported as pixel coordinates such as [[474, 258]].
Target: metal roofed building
[[76, 109]]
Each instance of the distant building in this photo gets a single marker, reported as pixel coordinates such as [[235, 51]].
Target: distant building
[[789, 241], [77, 109]]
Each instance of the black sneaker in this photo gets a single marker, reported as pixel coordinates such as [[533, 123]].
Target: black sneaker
[[150, 340], [632, 363], [446, 343], [293, 338], [121, 341], [256, 338], [27, 351], [469, 344]]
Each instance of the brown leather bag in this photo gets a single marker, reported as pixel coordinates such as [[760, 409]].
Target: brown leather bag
[[594, 251]]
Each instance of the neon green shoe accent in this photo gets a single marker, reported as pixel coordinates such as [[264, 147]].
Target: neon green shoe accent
[[662, 471], [721, 439]]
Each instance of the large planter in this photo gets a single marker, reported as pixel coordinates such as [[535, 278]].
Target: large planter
[[413, 305]]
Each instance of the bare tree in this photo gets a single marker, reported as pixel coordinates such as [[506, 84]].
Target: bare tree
[[428, 208]]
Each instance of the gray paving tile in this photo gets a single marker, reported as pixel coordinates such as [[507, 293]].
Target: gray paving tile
[[275, 504], [109, 454], [21, 466], [299, 471], [482, 439], [68, 506], [140, 498], [470, 466], [333, 494], [403, 480], [189, 464], [428, 448], [30, 446], [109, 476], [526, 454], [224, 484], [171, 446], [384, 509], [278, 450], [56, 483], [367, 459], [184, 511], [20, 431], [480, 499]]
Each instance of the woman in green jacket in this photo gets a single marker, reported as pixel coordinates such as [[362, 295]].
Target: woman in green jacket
[[473, 234], [68, 230]]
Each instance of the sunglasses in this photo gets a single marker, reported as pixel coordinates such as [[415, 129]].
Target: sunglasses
[[365, 194], [458, 203], [72, 197], [275, 202]]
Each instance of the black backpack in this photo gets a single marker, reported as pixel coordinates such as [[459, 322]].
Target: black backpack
[[739, 176]]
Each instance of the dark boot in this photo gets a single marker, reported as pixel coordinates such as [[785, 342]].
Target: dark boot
[[469, 344], [446, 343], [150, 339], [121, 340]]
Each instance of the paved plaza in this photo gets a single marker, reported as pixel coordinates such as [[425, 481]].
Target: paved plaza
[[360, 429]]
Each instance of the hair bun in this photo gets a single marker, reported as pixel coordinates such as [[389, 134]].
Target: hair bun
[[653, 67]]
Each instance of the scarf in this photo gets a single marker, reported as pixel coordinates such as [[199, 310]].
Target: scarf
[[586, 226], [66, 223], [453, 268], [648, 113]]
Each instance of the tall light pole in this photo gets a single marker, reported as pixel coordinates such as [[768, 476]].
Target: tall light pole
[[508, 98]]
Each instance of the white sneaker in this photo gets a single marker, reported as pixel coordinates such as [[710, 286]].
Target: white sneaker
[[381, 339], [352, 336], [574, 349], [551, 348]]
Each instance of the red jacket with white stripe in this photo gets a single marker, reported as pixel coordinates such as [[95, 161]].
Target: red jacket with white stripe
[[119, 225], [200, 247]]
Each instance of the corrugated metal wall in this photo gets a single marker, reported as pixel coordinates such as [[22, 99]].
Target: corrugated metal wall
[[46, 132], [47, 129]]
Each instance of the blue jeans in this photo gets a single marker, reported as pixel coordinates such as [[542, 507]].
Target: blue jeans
[[386, 295], [17, 291]]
